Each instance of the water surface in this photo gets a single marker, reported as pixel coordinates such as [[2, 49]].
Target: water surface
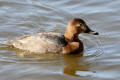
[[101, 58]]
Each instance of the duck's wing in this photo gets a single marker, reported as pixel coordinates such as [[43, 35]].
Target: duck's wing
[[56, 38], [45, 42], [16, 41]]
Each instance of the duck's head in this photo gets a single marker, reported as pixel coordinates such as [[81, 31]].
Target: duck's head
[[77, 26]]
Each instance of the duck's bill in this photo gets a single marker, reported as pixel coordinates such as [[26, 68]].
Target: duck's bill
[[94, 33], [89, 31]]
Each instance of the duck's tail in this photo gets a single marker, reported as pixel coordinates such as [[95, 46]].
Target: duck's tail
[[10, 42]]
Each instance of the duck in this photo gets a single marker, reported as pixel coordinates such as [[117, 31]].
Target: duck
[[51, 42]]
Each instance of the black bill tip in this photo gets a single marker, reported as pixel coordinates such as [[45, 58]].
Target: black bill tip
[[96, 33], [93, 33]]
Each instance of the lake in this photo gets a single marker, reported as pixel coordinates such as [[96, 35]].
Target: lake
[[101, 60]]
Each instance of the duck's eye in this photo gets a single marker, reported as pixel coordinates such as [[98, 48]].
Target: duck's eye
[[80, 24]]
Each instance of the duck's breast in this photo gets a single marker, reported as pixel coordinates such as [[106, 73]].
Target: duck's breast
[[40, 42]]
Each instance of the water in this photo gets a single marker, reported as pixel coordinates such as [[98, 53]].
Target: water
[[101, 58]]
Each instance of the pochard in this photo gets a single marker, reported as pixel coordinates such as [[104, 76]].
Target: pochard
[[51, 42]]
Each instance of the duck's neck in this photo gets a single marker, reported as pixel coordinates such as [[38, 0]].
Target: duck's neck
[[76, 39], [73, 45], [71, 34], [70, 37]]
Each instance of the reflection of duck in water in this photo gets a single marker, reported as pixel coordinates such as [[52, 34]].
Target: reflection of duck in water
[[74, 63], [54, 42]]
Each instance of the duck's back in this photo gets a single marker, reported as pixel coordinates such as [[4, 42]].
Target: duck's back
[[40, 42]]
